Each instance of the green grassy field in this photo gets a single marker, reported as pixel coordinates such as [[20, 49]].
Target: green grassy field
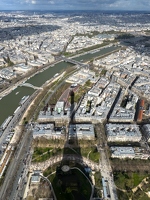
[[128, 180], [73, 185], [42, 154]]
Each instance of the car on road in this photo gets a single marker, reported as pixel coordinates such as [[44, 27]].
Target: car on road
[[8, 139], [4, 146], [11, 134]]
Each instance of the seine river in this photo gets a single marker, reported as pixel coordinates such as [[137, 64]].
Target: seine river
[[9, 103]]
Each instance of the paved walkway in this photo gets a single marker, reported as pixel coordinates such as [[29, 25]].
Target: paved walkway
[[82, 160]]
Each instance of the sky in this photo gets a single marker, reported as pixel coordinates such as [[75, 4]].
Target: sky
[[134, 5]]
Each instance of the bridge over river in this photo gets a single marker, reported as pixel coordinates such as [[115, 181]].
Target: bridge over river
[[31, 86], [74, 62]]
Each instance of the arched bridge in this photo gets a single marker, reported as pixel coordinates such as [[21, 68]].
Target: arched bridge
[[75, 62], [31, 86]]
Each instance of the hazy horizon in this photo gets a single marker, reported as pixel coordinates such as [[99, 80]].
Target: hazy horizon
[[84, 5]]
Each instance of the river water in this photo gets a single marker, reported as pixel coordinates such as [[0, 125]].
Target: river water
[[89, 56], [9, 103]]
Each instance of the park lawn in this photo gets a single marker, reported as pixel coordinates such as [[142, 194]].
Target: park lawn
[[71, 151], [43, 154], [50, 170], [94, 156], [39, 151], [140, 195], [122, 195], [93, 153], [128, 180], [57, 189], [137, 177], [30, 198], [119, 179], [42, 158], [85, 186], [146, 186], [68, 193], [85, 151], [144, 197], [98, 183]]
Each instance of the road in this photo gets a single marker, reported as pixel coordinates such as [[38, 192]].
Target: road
[[106, 172], [21, 177], [16, 167], [104, 163], [14, 122]]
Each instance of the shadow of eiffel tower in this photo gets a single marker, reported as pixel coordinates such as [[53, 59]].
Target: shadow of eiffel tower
[[71, 181]]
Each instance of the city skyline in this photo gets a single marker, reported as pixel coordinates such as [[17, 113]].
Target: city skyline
[[74, 101], [134, 5]]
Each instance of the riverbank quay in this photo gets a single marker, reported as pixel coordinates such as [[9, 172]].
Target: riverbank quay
[[13, 87]]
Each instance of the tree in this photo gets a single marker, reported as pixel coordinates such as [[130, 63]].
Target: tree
[[68, 190], [26, 122]]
